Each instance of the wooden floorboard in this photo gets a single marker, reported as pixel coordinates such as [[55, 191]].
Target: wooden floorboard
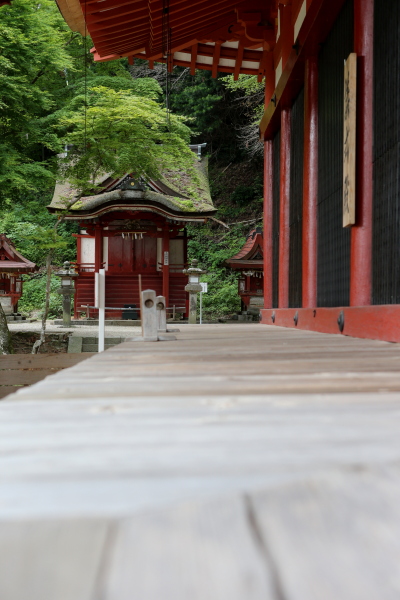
[[239, 462]]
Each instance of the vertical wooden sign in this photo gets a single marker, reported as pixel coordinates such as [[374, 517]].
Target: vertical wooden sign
[[349, 140]]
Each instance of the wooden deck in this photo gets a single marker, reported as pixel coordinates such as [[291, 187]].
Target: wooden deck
[[240, 462]]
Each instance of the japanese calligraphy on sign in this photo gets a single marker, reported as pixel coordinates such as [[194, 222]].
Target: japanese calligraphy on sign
[[349, 141]]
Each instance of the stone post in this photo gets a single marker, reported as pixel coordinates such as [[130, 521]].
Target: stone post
[[161, 314], [193, 288], [149, 316]]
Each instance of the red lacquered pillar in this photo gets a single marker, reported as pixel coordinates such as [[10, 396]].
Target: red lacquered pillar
[[98, 247], [165, 268], [267, 235], [310, 185], [284, 214], [361, 232]]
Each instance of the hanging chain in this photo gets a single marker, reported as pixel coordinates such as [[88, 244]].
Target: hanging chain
[[166, 52]]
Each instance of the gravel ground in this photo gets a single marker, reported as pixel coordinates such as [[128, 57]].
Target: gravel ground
[[78, 330]]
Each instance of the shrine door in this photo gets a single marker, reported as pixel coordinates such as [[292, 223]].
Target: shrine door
[[145, 255], [120, 254]]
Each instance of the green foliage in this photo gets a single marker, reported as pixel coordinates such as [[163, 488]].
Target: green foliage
[[212, 248], [198, 99], [34, 290], [120, 132], [248, 83], [30, 228], [32, 46]]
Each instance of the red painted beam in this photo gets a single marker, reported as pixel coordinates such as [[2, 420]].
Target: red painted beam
[[268, 212], [361, 232], [368, 322], [284, 215], [310, 185]]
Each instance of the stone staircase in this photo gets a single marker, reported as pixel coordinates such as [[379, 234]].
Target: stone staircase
[[90, 344]]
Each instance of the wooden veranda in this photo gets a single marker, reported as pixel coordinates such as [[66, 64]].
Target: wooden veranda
[[239, 462]]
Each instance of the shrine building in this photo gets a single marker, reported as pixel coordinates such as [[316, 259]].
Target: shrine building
[[135, 227], [330, 131], [249, 262], [12, 266]]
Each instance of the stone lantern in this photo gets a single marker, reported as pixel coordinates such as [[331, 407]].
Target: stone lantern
[[67, 290], [193, 287]]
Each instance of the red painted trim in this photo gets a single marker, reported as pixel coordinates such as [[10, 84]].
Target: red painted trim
[[267, 237], [361, 233], [284, 215], [369, 322], [269, 78], [320, 17], [310, 185], [286, 32]]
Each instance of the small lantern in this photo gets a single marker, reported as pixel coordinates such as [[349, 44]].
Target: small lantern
[[67, 290], [193, 288]]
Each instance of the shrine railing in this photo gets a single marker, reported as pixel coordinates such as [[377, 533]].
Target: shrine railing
[[86, 267], [175, 268]]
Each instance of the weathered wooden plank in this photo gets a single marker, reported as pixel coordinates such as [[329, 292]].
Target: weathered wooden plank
[[336, 537], [48, 361], [5, 390], [349, 140], [24, 376], [197, 551], [50, 559], [172, 445]]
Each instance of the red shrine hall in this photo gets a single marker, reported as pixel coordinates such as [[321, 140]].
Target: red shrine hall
[[250, 263], [133, 228], [12, 266], [330, 131]]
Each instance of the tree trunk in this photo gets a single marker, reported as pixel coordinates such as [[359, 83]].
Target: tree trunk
[[5, 336], [42, 339]]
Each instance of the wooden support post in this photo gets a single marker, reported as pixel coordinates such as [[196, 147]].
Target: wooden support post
[[165, 265], [284, 215], [268, 208], [310, 185], [361, 232]]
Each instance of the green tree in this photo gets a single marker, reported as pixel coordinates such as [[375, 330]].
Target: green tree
[[121, 132]]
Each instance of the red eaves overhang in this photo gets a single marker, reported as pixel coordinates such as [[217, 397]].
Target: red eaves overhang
[[218, 35]]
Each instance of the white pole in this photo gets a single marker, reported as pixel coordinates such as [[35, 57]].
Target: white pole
[[102, 312], [201, 307]]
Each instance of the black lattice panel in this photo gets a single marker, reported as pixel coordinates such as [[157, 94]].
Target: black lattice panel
[[333, 239], [275, 217], [386, 224], [296, 201]]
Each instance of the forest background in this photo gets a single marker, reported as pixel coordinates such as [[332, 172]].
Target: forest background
[[45, 74]]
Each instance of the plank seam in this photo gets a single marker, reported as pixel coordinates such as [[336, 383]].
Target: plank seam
[[260, 542]]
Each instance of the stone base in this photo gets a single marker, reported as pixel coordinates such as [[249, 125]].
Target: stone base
[[160, 338], [95, 322], [15, 317]]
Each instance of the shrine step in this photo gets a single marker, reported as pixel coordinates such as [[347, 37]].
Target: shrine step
[[90, 344]]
